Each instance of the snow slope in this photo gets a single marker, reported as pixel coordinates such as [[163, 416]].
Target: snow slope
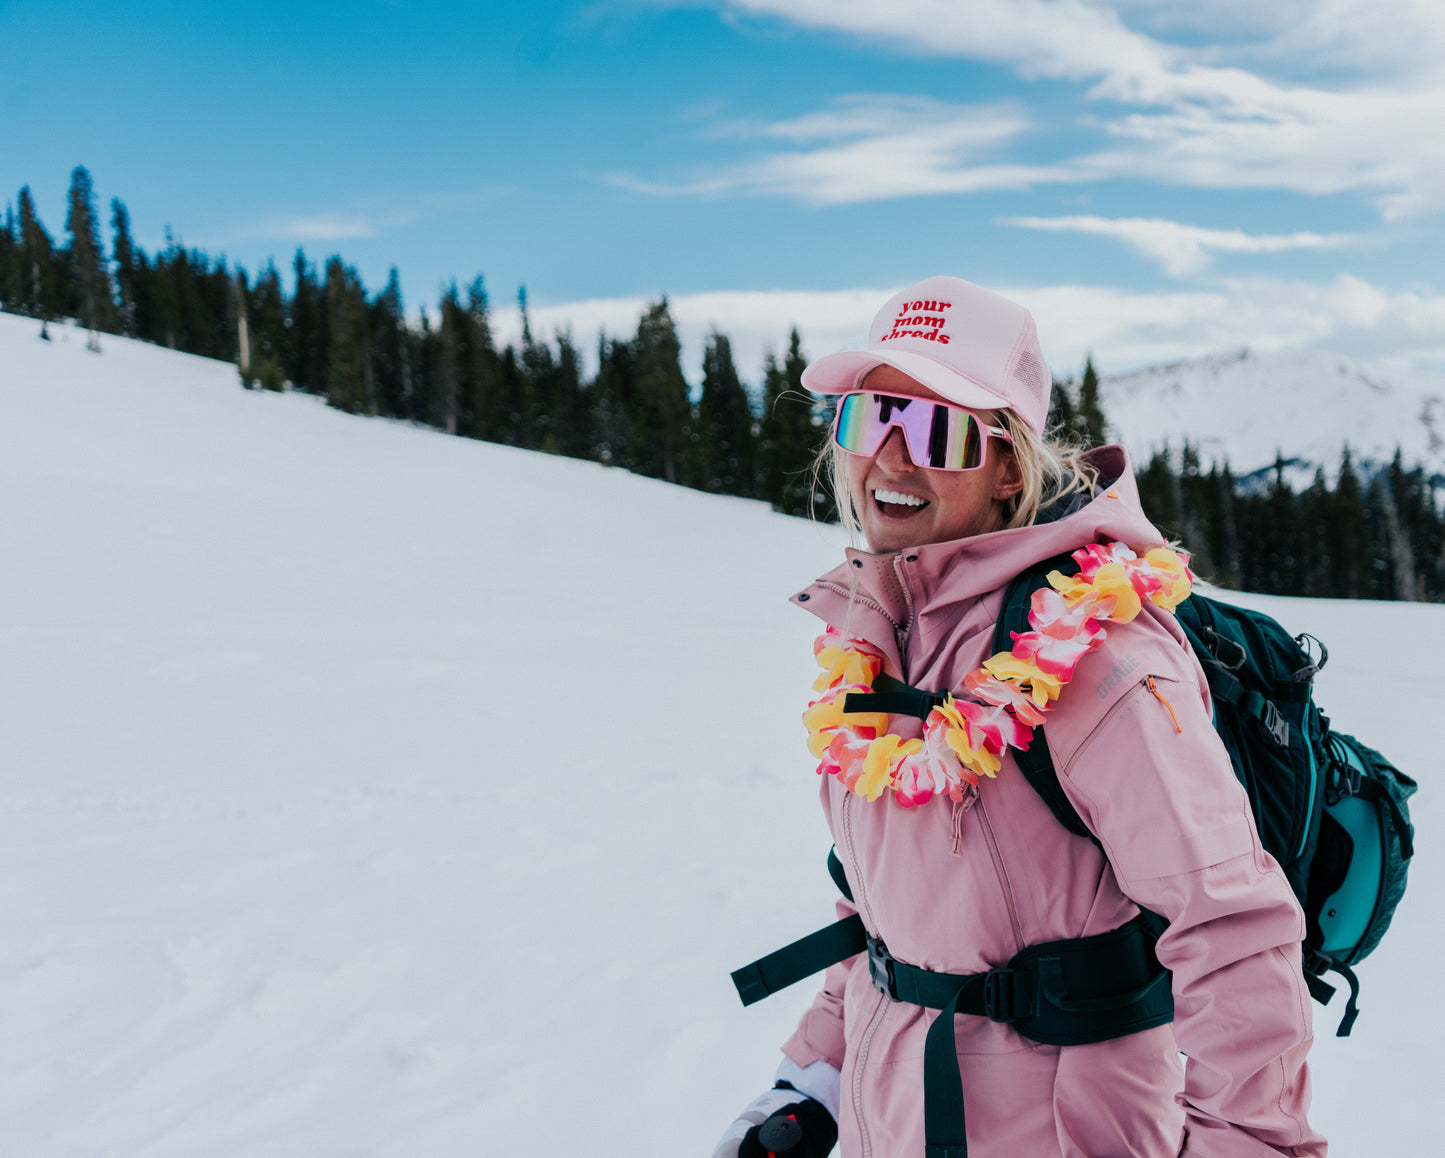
[[1247, 405], [369, 792]]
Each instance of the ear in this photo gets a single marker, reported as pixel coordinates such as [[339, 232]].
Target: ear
[[1010, 478]]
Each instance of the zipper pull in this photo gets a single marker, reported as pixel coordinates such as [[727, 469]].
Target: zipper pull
[[960, 807], [1149, 680]]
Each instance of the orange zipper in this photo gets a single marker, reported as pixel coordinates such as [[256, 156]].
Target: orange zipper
[[1150, 681]]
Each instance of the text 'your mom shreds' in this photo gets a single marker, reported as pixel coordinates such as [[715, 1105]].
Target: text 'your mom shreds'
[[921, 319]]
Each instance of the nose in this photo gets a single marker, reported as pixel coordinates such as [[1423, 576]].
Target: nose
[[893, 454]]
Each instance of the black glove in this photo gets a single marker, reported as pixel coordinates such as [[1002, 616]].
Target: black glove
[[802, 1128]]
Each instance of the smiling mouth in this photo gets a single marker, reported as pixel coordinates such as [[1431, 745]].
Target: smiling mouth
[[896, 504]]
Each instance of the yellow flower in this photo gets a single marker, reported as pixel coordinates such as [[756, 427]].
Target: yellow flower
[[1179, 584], [1071, 587], [827, 714], [980, 761], [884, 754], [1043, 688], [1112, 579], [846, 665]]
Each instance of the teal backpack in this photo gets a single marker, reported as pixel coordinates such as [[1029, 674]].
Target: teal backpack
[[1331, 810]]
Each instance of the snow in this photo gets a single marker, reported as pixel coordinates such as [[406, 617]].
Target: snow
[[1248, 405], [369, 792]]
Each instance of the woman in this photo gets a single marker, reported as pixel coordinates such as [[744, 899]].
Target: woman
[[940, 459]]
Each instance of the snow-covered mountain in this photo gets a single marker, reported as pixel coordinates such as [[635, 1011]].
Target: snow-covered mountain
[[366, 791], [1247, 406]]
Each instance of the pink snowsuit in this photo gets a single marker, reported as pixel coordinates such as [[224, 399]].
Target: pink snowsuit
[[961, 889]]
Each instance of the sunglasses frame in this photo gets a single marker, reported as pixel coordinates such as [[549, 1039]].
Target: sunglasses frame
[[986, 429]]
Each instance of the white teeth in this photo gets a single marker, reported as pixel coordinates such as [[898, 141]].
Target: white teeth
[[899, 498]]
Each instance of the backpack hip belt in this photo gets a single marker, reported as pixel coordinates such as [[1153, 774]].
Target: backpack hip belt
[[1070, 992]]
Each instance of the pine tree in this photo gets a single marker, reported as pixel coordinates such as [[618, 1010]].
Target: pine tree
[[661, 415], [1225, 527], [1315, 513], [130, 270], [1092, 427], [265, 306], [728, 459], [515, 398], [1159, 493], [93, 300], [426, 358], [1347, 535], [575, 436], [452, 351], [348, 379], [307, 365], [11, 279], [391, 351], [613, 391], [1063, 416], [789, 437], [42, 291], [1393, 535]]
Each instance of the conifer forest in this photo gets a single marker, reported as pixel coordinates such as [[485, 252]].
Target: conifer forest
[[1375, 535]]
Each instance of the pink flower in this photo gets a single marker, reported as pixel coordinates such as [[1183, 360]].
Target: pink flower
[[1063, 635], [995, 728], [927, 774], [845, 756], [1005, 695]]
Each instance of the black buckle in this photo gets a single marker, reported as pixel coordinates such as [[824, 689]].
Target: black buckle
[[1276, 727], [1005, 997], [1218, 643], [880, 967]]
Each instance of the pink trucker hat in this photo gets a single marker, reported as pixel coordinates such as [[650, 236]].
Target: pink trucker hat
[[963, 342]]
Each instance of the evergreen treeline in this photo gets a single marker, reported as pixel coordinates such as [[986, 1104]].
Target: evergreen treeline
[[1376, 538], [332, 337], [1380, 538]]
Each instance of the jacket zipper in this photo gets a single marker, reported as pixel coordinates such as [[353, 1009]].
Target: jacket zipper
[[860, 898], [883, 1002], [1008, 893], [960, 808]]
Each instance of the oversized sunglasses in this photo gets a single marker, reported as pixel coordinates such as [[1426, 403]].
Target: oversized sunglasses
[[939, 436]]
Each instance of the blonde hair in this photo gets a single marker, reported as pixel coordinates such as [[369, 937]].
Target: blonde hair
[[1052, 467]]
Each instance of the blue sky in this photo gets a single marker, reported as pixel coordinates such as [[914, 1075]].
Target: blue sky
[[1154, 180]]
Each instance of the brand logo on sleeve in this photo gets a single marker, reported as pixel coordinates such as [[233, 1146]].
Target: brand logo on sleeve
[[920, 319], [1122, 669]]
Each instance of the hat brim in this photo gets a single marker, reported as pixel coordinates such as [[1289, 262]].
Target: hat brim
[[844, 371]]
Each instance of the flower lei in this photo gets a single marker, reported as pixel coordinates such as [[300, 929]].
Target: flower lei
[[963, 740]]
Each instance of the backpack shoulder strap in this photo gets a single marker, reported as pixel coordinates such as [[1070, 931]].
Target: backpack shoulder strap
[[1036, 762]]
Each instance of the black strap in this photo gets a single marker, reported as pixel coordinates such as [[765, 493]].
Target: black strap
[[1036, 762], [1061, 992], [894, 697], [1373, 790], [1271, 722], [1067, 992], [804, 957]]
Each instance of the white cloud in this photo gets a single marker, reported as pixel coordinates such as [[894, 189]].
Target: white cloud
[[1122, 329], [873, 148], [1181, 249], [317, 227], [1329, 97]]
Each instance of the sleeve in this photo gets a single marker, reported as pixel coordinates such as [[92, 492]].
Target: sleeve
[[1154, 783], [819, 1036]]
